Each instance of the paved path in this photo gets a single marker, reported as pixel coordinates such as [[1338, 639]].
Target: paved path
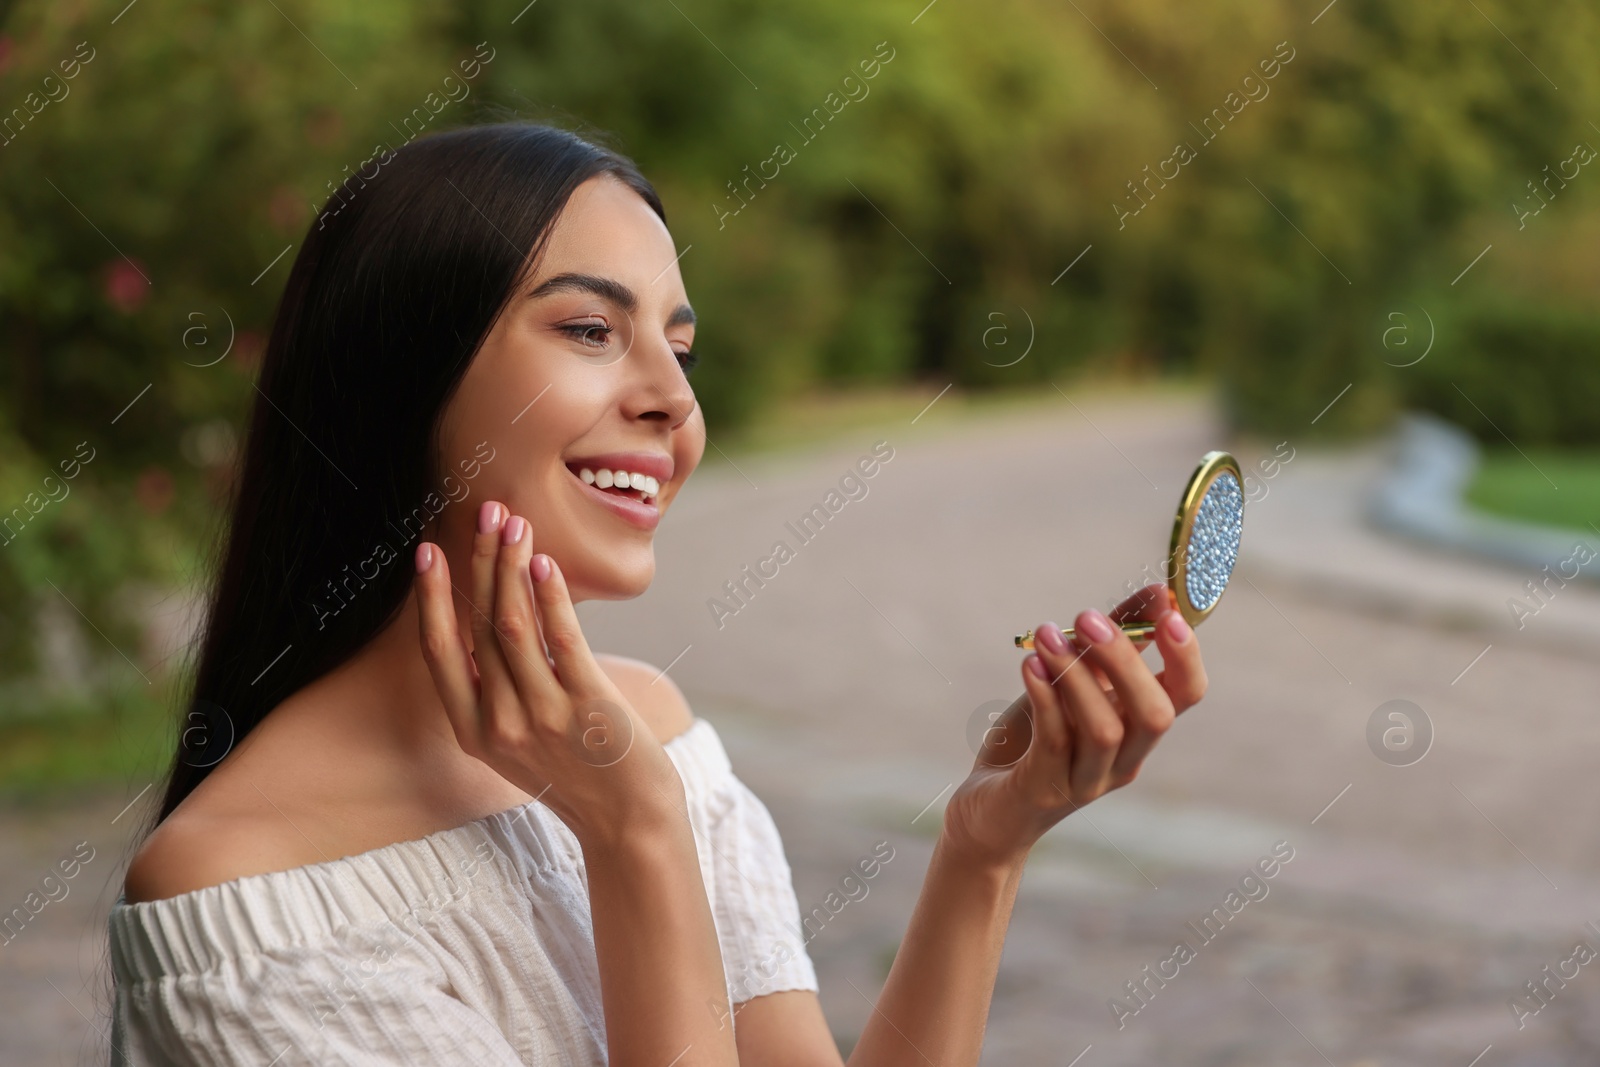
[[1419, 898]]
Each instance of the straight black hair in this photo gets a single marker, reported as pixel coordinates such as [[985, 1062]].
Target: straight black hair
[[398, 281]]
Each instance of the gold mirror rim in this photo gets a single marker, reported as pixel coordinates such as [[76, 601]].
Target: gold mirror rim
[[1212, 464]]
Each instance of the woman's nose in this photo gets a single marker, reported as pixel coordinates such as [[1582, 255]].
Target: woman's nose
[[663, 391]]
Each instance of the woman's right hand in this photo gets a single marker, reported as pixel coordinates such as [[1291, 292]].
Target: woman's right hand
[[562, 730]]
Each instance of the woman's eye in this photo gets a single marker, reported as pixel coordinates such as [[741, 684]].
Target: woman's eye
[[589, 334], [687, 360]]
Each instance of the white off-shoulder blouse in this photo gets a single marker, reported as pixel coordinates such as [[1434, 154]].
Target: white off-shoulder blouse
[[472, 945]]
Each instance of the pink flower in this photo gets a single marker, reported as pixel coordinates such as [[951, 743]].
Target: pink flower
[[154, 490], [324, 127], [286, 210], [247, 350], [125, 285]]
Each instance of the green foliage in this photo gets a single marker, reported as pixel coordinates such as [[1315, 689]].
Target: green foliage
[[1513, 371], [1003, 140], [1518, 360], [136, 213], [123, 732], [838, 229]]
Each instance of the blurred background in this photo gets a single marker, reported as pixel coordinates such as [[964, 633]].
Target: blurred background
[[1051, 254]]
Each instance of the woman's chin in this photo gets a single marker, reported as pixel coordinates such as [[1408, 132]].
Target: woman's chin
[[613, 582]]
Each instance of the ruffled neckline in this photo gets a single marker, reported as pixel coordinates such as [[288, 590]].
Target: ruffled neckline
[[195, 931]]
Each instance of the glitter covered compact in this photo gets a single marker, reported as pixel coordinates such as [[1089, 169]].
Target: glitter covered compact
[[1204, 546]]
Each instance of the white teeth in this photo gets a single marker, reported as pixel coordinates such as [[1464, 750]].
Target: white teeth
[[645, 484]]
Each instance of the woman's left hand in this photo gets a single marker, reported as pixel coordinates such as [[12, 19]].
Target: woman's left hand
[[1091, 713]]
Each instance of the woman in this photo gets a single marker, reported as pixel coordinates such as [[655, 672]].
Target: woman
[[414, 819]]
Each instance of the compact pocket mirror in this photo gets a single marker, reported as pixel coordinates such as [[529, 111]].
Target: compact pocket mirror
[[1204, 545]]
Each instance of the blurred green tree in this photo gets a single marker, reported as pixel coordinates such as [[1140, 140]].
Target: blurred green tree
[[862, 194], [148, 214]]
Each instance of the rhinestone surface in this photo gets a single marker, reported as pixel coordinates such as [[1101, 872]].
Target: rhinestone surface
[[1214, 541]]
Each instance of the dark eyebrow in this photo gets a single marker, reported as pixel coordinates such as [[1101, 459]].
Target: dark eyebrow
[[610, 289]]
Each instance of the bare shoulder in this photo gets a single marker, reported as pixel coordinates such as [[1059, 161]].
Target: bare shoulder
[[207, 841], [654, 695], [289, 795], [228, 828]]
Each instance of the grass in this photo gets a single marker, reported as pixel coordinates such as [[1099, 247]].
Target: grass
[[123, 735], [1551, 487]]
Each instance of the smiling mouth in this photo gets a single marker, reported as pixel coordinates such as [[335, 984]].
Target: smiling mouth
[[619, 483]]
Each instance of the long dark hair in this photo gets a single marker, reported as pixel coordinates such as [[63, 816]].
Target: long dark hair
[[399, 279]]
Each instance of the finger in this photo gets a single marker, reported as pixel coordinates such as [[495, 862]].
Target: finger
[[447, 657], [1010, 736], [496, 689], [1046, 717], [1045, 765], [1099, 675], [575, 665], [1183, 675], [1095, 728], [1146, 605], [1144, 706], [516, 627]]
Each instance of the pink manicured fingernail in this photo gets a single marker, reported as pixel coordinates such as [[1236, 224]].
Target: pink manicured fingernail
[[1096, 626], [1049, 635], [511, 533], [424, 557], [488, 517], [540, 565], [1035, 667], [1177, 628]]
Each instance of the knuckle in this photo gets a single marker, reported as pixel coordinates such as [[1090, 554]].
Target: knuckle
[[435, 646], [1158, 718], [1104, 735], [512, 624], [504, 733], [561, 640], [482, 625], [552, 732]]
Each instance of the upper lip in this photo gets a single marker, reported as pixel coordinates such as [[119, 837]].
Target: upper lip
[[657, 465]]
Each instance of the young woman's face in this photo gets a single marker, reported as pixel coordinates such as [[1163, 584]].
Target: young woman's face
[[584, 370]]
